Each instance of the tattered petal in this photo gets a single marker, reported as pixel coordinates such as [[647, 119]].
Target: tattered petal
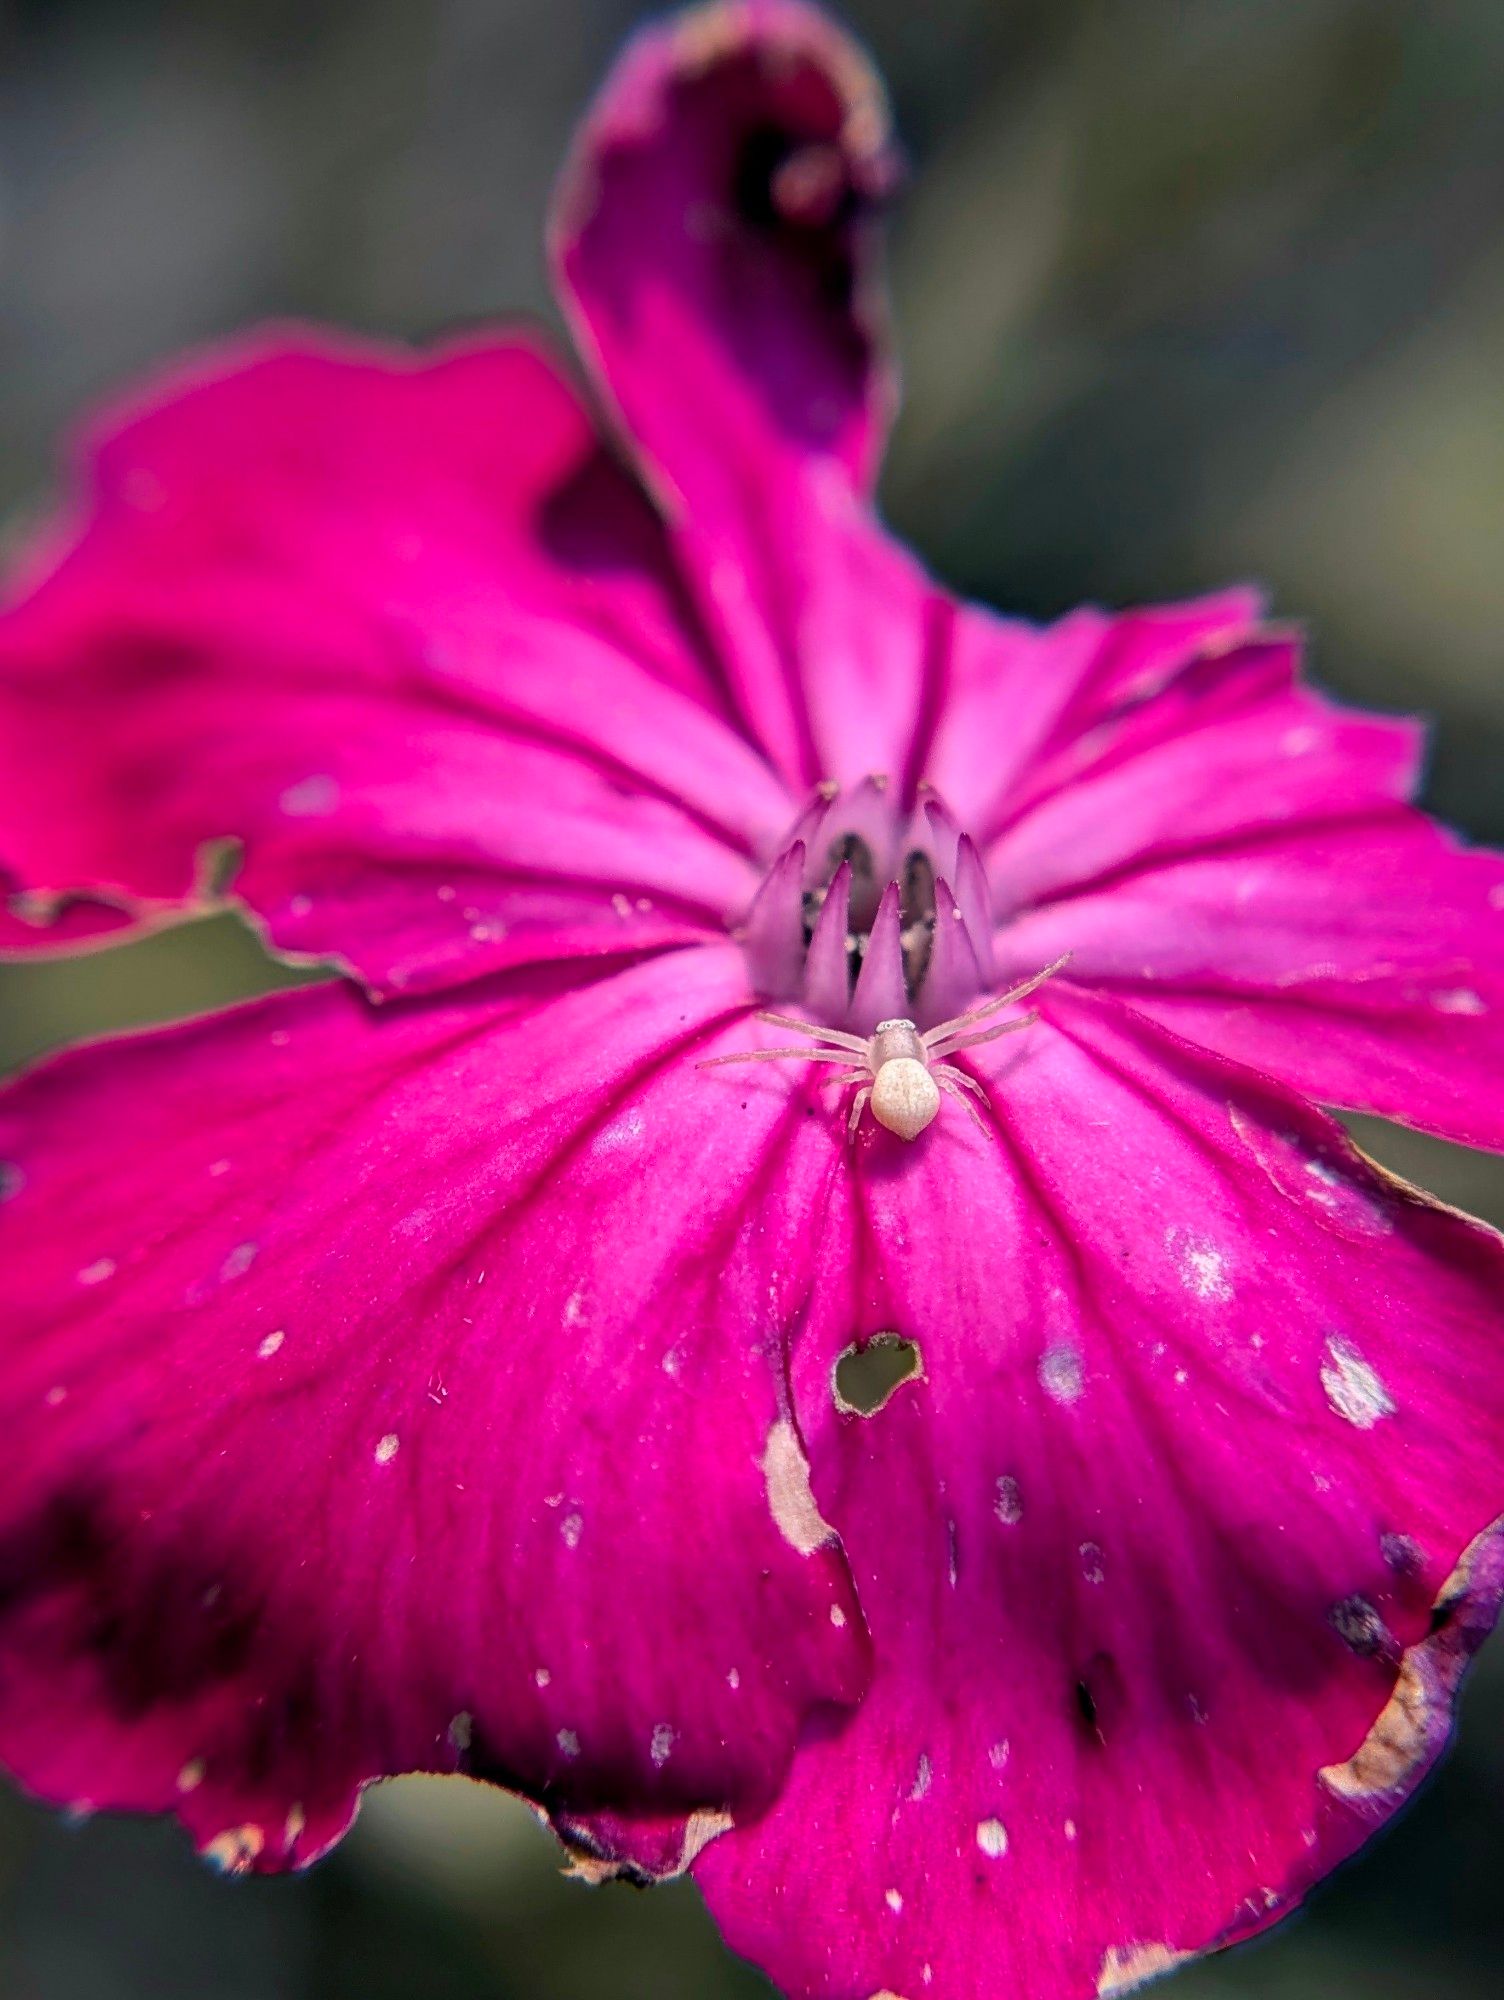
[[365, 613], [360, 1396], [1172, 1552], [714, 235]]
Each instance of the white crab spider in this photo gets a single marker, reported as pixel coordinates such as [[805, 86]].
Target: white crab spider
[[900, 1071]]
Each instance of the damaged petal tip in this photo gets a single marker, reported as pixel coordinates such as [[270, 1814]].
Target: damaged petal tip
[[1412, 1728], [1128, 1967]]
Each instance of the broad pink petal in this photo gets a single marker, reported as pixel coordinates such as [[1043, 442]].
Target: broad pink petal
[[1174, 1554], [1236, 853], [1016, 694], [364, 612], [1361, 961], [714, 236], [365, 1377]]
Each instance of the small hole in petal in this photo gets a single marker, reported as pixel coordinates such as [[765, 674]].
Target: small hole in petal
[[866, 1377]]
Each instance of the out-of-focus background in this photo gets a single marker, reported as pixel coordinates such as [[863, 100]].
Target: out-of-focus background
[[1189, 290]]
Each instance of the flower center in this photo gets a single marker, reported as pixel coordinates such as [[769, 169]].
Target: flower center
[[872, 912]]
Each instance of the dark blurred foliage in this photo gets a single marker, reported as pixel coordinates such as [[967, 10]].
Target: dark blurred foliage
[[1188, 290]]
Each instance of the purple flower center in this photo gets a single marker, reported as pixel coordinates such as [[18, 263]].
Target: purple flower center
[[873, 910]]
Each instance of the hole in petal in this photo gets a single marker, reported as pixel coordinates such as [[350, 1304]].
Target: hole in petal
[[867, 1377]]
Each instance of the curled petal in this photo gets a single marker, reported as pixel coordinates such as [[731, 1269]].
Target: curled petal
[[714, 234], [395, 1359]]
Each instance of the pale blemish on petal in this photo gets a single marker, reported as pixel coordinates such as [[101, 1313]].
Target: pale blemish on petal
[[992, 1838], [923, 1777], [235, 1851], [1060, 1372], [699, 1830], [96, 1273], [1459, 1000], [542, 1676], [733, 1680], [661, 1748], [386, 1448], [310, 798], [239, 1261], [461, 1729], [269, 1346], [570, 1529], [1127, 1967], [568, 1742], [1008, 1506], [1353, 1387], [790, 1499], [837, 1616], [894, 1900], [12, 1180], [999, 1754], [574, 1308], [1202, 1266], [55, 1395], [293, 1826], [1091, 1562], [192, 1775]]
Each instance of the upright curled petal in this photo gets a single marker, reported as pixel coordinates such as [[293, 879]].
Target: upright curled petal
[[715, 235]]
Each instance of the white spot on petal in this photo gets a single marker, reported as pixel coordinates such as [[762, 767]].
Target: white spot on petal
[[239, 1261], [923, 1776], [1091, 1562], [662, 1746], [571, 1528], [1008, 1506], [1060, 1373], [386, 1448], [837, 1616], [992, 1838], [310, 798], [999, 1754], [542, 1676], [568, 1742], [96, 1273], [894, 1900], [461, 1729], [790, 1500], [269, 1346], [1459, 1000], [1352, 1387], [192, 1775], [733, 1680]]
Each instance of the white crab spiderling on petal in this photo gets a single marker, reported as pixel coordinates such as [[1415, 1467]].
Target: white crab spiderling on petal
[[899, 1072]]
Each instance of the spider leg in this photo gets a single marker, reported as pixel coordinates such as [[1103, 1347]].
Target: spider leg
[[946, 1073], [777, 1055], [960, 1042], [858, 1106], [936, 1035], [836, 1036], [947, 1082]]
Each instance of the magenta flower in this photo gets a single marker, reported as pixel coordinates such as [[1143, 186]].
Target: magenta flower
[[455, 1383]]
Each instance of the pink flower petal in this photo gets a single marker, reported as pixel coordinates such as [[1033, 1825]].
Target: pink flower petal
[[404, 631], [360, 1398], [1172, 1554], [714, 236], [1235, 853], [1361, 961]]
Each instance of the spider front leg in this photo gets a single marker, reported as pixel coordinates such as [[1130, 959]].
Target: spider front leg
[[858, 1103]]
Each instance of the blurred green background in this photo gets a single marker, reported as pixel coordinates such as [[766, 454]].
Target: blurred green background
[[1189, 291]]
